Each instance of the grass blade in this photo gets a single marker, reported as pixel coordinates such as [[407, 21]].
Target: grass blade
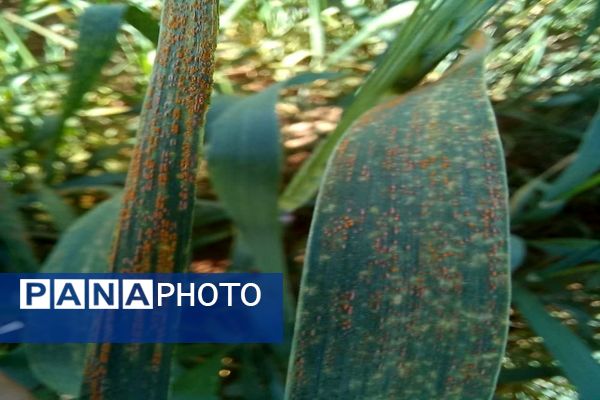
[[144, 22], [317, 32], [405, 289], [585, 164], [518, 252], [61, 213], [29, 60], [98, 28], [232, 12], [156, 219], [433, 30], [574, 355], [388, 18]]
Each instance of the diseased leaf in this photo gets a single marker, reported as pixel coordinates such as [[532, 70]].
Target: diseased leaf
[[405, 288], [155, 226], [575, 357]]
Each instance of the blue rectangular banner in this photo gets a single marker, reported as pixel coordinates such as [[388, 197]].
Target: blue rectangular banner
[[141, 308]]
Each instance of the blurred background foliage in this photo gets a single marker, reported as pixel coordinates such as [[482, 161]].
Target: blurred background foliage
[[543, 75]]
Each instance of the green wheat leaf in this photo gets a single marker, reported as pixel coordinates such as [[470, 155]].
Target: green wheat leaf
[[155, 226], [245, 161]]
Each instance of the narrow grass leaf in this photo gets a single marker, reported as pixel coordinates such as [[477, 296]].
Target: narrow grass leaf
[[564, 246], [144, 22], [574, 355], [571, 262], [390, 17], [432, 31], [60, 212], [98, 28], [585, 164], [244, 157], [316, 31], [405, 288], [593, 24]]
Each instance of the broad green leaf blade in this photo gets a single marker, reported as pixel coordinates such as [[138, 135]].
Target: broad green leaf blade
[[85, 247], [405, 288], [155, 228], [244, 159], [574, 355], [15, 249], [432, 31], [316, 31]]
